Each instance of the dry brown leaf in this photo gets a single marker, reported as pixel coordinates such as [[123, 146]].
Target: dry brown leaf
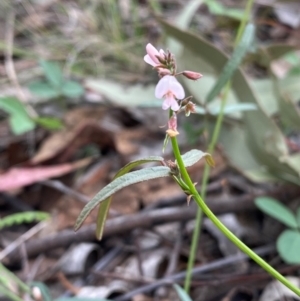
[[62, 145], [16, 178]]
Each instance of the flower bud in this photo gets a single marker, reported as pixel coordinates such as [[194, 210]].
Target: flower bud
[[163, 71], [192, 75], [190, 108], [162, 59], [174, 168], [186, 100]]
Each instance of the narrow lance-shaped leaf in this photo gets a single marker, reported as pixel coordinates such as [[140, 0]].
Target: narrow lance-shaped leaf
[[233, 62], [298, 217], [6, 292], [194, 155], [182, 21], [104, 206], [182, 293], [276, 210], [119, 183]]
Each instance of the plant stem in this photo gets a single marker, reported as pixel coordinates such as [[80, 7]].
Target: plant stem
[[211, 147], [222, 227], [13, 277], [12, 296]]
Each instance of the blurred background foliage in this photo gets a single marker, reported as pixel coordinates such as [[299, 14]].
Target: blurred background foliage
[[82, 46], [56, 55]]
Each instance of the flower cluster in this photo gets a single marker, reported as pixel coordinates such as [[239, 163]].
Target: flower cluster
[[168, 87]]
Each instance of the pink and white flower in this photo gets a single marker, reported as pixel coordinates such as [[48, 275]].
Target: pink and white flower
[[170, 89], [151, 56]]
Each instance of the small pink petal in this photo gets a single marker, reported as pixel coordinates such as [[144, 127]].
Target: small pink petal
[[152, 52], [170, 102], [149, 61], [176, 88], [175, 105], [162, 87], [166, 104]]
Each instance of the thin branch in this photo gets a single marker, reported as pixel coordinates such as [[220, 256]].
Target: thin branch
[[9, 63]]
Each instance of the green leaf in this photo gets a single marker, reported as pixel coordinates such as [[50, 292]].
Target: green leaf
[[19, 119], [287, 92], [276, 210], [50, 123], [124, 96], [298, 217], [53, 73], [119, 183], [104, 206], [233, 108], [185, 17], [264, 89], [43, 90], [274, 51], [234, 62], [183, 21], [193, 156], [288, 246], [72, 89], [292, 58], [23, 217], [217, 8], [182, 293]]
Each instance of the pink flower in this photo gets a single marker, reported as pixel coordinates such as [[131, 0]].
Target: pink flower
[[169, 88], [151, 56]]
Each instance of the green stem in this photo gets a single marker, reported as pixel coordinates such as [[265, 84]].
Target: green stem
[[222, 227], [10, 295], [211, 147], [14, 278]]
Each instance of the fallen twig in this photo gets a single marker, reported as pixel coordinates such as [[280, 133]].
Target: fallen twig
[[147, 219]]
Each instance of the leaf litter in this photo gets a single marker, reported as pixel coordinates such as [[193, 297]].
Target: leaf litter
[[97, 52]]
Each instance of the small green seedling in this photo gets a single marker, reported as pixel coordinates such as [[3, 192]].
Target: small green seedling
[[288, 243], [20, 121], [55, 85]]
